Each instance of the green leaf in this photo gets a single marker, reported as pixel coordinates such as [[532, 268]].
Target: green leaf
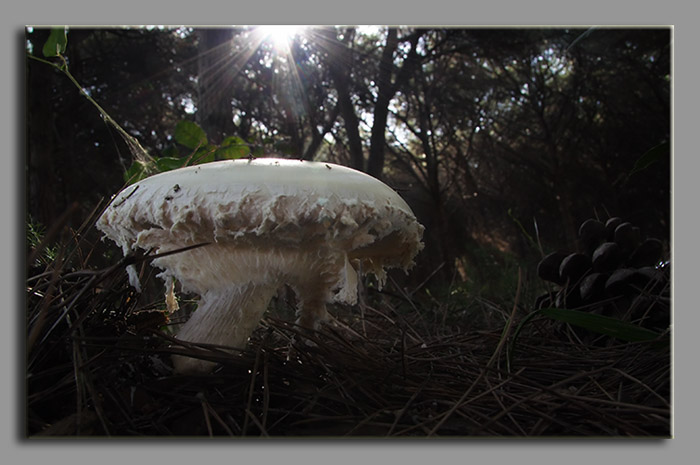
[[203, 155], [136, 172], [232, 152], [169, 163], [56, 43], [190, 135], [231, 148], [601, 324], [233, 140], [651, 156], [170, 151]]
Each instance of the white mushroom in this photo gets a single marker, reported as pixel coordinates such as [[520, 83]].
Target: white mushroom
[[268, 222]]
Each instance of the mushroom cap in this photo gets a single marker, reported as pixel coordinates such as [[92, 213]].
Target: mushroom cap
[[259, 214]]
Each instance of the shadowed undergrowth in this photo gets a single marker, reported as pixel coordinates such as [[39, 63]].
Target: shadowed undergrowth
[[98, 365]]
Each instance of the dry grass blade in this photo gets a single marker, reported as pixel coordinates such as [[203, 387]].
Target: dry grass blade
[[494, 357]]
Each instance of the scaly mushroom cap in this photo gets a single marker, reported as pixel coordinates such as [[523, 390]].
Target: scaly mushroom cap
[[269, 222]]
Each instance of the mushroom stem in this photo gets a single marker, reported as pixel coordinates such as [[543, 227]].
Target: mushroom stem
[[311, 311], [224, 317]]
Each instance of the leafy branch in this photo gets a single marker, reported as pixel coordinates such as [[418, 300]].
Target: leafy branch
[[55, 47], [187, 133]]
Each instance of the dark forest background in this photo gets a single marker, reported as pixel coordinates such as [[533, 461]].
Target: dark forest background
[[503, 141]]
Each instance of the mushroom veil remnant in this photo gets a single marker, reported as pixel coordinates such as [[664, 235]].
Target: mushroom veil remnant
[[266, 222]]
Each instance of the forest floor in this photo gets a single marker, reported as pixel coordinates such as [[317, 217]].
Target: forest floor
[[98, 364]]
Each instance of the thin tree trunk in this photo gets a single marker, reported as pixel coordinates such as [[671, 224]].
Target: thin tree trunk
[[386, 92], [375, 163], [214, 112], [339, 61], [318, 135]]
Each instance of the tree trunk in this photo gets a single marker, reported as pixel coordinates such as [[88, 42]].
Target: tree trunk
[[339, 61], [318, 135], [214, 112], [387, 90], [375, 163]]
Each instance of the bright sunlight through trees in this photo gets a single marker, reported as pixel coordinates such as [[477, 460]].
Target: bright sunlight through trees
[[280, 35]]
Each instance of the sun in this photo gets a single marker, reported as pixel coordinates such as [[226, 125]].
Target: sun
[[280, 35]]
